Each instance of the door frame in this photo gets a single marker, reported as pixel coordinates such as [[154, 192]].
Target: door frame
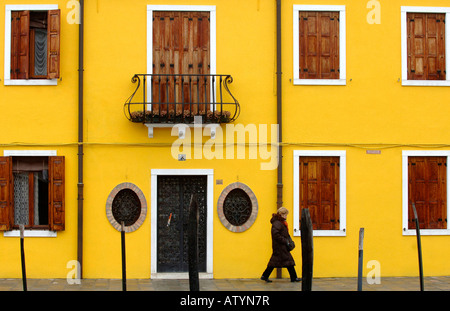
[[209, 173]]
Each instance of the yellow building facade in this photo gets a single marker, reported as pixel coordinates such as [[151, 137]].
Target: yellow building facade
[[363, 90]]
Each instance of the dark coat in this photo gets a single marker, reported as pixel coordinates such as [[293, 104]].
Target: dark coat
[[281, 257]]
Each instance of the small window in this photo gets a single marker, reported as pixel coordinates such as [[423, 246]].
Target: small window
[[424, 46], [32, 45], [32, 192], [35, 44], [427, 183], [319, 45]]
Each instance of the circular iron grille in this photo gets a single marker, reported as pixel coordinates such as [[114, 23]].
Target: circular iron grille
[[126, 207], [237, 207]]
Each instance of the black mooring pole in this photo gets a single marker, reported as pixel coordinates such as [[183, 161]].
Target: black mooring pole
[[306, 231], [193, 245], [360, 258], [419, 246], [22, 257], [124, 264]]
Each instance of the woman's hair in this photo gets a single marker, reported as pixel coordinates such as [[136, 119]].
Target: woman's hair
[[283, 210]]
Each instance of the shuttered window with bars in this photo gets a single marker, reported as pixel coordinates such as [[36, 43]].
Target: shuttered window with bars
[[319, 190], [35, 44], [426, 46], [427, 189], [32, 193]]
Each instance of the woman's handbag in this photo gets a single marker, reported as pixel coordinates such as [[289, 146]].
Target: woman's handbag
[[290, 244]]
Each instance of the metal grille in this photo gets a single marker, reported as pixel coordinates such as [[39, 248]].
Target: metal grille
[[126, 207], [174, 195], [21, 190], [237, 207]]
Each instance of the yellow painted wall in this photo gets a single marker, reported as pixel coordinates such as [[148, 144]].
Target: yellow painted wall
[[373, 109]]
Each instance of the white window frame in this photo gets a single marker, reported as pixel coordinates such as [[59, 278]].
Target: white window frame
[[342, 45], [209, 222], [405, 196], [7, 74], [33, 232], [342, 190], [404, 42]]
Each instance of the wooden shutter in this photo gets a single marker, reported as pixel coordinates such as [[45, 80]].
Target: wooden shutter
[[319, 190], [56, 168], [15, 31], [181, 45], [319, 45], [426, 46], [53, 43], [427, 189], [23, 61], [6, 194]]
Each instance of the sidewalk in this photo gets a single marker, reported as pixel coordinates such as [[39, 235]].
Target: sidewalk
[[319, 284]]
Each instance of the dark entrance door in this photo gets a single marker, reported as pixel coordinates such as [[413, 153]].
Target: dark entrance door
[[174, 195]]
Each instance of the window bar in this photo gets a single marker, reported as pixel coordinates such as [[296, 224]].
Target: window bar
[[174, 94], [159, 97], [190, 97], [213, 100], [198, 96], [221, 98], [151, 99], [206, 96], [167, 97], [144, 99]]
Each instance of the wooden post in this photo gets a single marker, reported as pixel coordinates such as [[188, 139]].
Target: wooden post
[[124, 264], [360, 258], [22, 257], [306, 231], [419, 246], [193, 245]]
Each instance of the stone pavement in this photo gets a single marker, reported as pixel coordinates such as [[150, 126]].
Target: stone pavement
[[319, 284]]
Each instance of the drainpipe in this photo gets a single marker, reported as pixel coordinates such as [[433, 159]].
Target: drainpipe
[[279, 117], [80, 141]]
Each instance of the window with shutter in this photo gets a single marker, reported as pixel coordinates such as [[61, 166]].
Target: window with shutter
[[181, 45], [427, 188], [319, 45], [32, 193], [319, 190], [34, 47], [426, 46]]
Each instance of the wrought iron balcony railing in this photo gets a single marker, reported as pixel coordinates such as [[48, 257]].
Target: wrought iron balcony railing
[[178, 98]]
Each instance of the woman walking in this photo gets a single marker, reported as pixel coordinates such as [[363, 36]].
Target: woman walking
[[281, 256]]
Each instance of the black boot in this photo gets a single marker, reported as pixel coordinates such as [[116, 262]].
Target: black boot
[[266, 279]]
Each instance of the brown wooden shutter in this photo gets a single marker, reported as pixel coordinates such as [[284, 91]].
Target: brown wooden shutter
[[181, 45], [319, 45], [56, 167], [15, 31], [23, 62], [427, 189], [319, 190], [6, 194], [426, 46], [53, 44]]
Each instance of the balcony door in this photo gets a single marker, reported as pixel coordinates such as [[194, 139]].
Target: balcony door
[[181, 58]]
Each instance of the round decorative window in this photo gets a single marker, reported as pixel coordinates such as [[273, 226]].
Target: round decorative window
[[237, 207], [126, 203]]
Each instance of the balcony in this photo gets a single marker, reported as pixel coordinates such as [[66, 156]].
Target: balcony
[[163, 100]]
